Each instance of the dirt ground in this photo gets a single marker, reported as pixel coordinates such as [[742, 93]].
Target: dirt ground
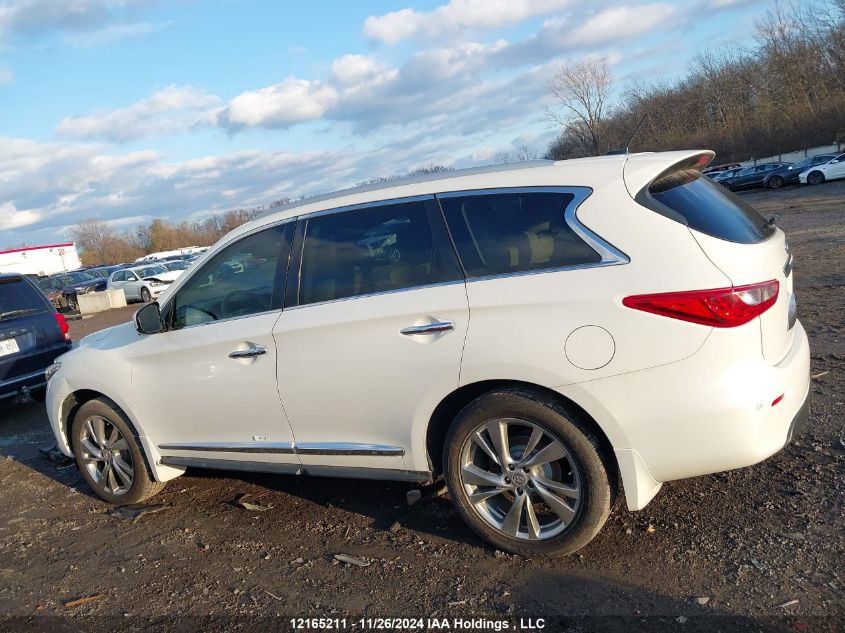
[[756, 549]]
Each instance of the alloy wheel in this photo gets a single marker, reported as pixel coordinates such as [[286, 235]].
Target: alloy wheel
[[106, 456], [815, 178], [520, 479]]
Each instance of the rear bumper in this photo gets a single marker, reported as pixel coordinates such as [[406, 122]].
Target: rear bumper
[[723, 408], [22, 384]]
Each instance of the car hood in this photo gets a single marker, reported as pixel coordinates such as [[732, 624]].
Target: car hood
[[85, 284], [114, 336], [169, 276]]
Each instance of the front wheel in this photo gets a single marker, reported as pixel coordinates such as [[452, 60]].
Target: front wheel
[[108, 454], [528, 474], [145, 295], [815, 178], [775, 182]]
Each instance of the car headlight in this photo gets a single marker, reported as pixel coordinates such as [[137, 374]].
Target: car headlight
[[51, 371]]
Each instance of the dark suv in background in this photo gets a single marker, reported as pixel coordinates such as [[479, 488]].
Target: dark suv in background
[[32, 335]]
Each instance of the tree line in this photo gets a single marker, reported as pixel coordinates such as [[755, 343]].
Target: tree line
[[101, 244], [785, 93]]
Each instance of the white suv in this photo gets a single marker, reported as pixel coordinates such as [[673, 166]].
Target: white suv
[[534, 333]]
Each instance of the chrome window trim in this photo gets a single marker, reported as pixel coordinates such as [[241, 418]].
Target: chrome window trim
[[610, 255]]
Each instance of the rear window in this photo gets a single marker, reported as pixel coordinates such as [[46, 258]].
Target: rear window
[[17, 297], [688, 197], [505, 233]]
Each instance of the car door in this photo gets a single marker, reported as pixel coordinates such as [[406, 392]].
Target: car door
[[206, 386], [131, 285], [371, 336], [836, 168]]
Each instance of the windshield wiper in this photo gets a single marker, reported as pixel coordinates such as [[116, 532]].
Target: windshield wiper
[[11, 314]]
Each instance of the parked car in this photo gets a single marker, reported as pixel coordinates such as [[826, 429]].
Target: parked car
[[831, 170], [143, 283], [176, 264], [32, 335], [63, 289], [104, 271], [720, 169], [531, 341], [788, 175], [750, 177], [727, 173]]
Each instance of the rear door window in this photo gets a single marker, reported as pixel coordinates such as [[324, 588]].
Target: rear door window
[[686, 196], [383, 248], [18, 298], [501, 233]]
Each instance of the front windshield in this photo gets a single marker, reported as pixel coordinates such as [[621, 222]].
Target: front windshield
[[747, 171], [75, 278], [149, 271], [177, 266]]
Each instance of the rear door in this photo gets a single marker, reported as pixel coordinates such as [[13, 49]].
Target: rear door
[[30, 338], [371, 336]]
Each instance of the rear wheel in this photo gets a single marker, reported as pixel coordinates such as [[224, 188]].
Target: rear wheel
[[775, 182], [145, 295], [815, 178], [72, 303], [527, 474], [109, 456]]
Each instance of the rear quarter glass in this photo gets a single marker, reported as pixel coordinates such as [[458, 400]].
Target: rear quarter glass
[[688, 197]]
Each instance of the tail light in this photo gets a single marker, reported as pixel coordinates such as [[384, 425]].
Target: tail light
[[63, 326], [720, 307]]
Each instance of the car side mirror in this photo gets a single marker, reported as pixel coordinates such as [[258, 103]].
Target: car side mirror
[[148, 319]]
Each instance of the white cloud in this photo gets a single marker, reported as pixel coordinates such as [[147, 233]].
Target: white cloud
[[11, 218], [280, 105], [170, 109], [35, 17], [618, 24], [457, 15], [113, 33]]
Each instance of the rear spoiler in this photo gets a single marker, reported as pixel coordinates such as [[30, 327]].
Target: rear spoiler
[[642, 169]]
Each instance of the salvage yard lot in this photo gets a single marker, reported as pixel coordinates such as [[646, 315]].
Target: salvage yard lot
[[736, 545]]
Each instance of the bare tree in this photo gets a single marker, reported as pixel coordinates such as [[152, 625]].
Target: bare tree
[[521, 153], [582, 90]]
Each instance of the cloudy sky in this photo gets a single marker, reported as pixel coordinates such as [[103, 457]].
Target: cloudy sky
[[125, 110]]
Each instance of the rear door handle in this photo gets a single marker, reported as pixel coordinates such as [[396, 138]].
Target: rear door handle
[[428, 328], [255, 350]]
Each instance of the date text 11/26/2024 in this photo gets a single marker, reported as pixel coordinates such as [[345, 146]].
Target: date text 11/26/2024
[[419, 624]]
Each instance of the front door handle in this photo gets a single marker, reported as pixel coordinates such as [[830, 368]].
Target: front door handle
[[250, 352], [428, 328]]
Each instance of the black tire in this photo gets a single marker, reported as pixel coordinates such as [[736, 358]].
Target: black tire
[[815, 178], [727, 185], [775, 182], [143, 486], [72, 303], [597, 470], [146, 297]]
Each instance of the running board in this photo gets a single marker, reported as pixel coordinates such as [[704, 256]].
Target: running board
[[349, 472]]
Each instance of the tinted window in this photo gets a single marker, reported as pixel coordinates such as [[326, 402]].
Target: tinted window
[[240, 280], [514, 232], [120, 276], [688, 197], [379, 249], [17, 297]]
